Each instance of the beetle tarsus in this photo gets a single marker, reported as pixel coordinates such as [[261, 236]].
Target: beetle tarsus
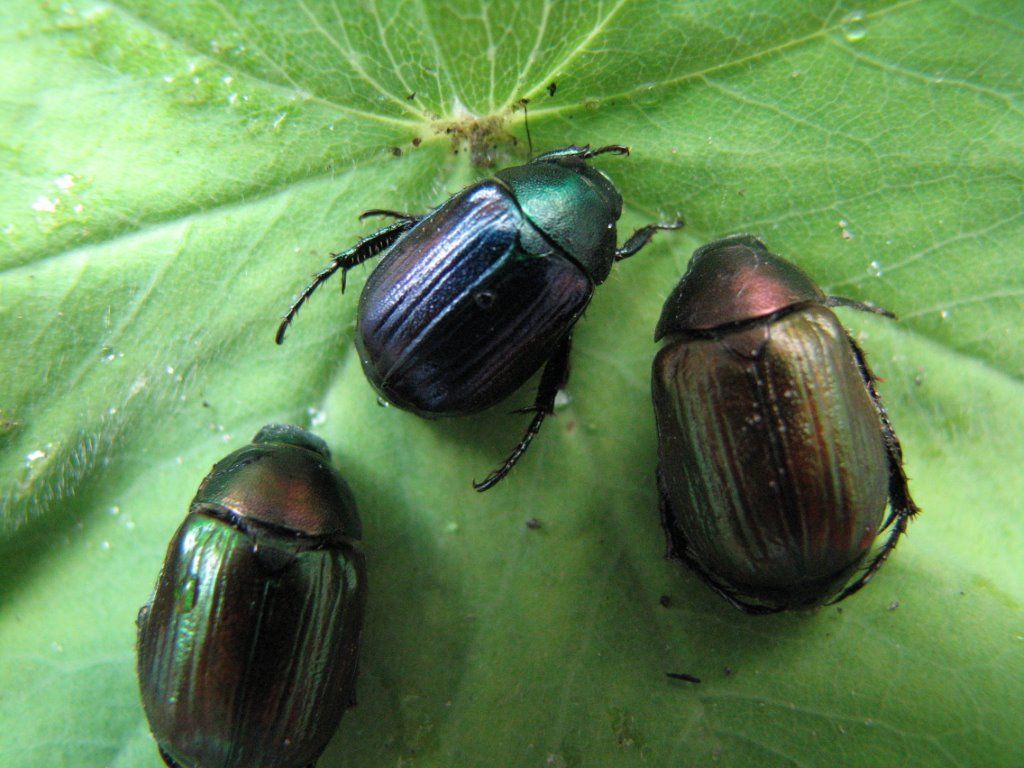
[[581, 153], [642, 237], [555, 376], [860, 306], [389, 213], [364, 250], [610, 149]]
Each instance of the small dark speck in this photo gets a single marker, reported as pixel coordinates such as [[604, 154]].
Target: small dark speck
[[416, 141], [839, 610], [552, 88], [665, 601], [396, 151], [727, 671], [411, 96], [533, 524], [682, 676], [570, 427], [741, 192], [205, 404], [894, 605], [962, 593]]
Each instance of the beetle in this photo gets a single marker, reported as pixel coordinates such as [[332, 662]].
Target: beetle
[[776, 457], [247, 648], [473, 297]]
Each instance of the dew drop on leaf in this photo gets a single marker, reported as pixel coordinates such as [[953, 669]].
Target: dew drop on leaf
[[853, 26]]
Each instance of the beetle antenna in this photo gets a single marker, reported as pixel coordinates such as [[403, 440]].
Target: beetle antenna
[[526, 122]]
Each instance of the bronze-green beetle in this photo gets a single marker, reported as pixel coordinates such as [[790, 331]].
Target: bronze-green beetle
[[776, 456], [247, 648]]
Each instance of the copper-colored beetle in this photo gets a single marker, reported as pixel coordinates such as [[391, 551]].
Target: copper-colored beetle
[[247, 648], [776, 456]]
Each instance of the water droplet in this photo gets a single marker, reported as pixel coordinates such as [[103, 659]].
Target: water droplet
[[45, 204], [169, 370], [114, 510], [853, 26], [36, 455], [227, 79], [562, 398], [944, 314], [452, 527], [382, 402], [316, 416], [137, 386], [65, 181], [105, 545], [232, 99], [875, 268]]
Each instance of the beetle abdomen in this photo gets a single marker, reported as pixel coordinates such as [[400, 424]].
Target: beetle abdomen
[[459, 315], [778, 473]]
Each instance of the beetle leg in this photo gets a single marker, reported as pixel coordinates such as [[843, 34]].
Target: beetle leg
[[388, 212], [679, 549], [642, 237], [581, 153], [901, 506], [861, 306], [364, 250], [556, 374]]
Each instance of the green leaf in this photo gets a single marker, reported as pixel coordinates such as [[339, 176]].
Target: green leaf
[[171, 175]]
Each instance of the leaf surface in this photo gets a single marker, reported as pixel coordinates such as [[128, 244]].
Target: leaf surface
[[171, 175]]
